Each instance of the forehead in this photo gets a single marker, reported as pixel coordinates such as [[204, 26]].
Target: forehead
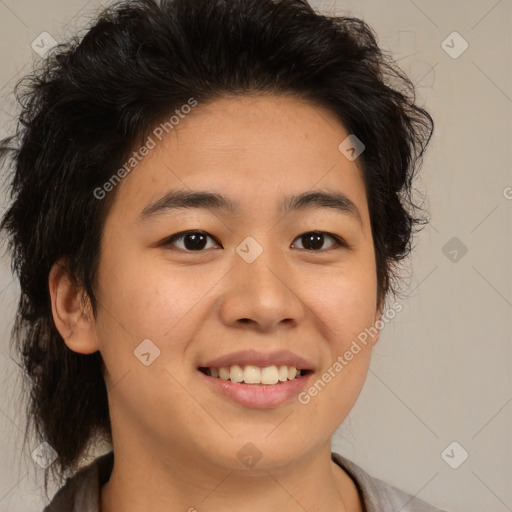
[[254, 149]]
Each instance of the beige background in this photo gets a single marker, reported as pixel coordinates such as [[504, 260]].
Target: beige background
[[441, 372]]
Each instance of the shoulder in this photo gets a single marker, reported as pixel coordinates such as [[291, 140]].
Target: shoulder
[[81, 492], [377, 495]]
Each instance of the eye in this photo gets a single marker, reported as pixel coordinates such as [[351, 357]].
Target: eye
[[192, 240], [196, 241], [314, 240]]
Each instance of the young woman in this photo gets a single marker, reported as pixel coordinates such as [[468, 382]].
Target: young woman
[[209, 199]]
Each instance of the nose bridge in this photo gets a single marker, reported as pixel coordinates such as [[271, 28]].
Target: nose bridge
[[260, 264], [260, 290]]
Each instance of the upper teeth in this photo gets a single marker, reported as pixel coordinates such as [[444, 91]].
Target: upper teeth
[[251, 374]]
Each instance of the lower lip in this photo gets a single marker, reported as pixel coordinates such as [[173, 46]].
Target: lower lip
[[258, 396]]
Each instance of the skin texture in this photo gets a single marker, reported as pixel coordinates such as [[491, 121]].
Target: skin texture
[[175, 440]]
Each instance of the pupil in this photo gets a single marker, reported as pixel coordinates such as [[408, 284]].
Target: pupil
[[197, 241], [313, 241]]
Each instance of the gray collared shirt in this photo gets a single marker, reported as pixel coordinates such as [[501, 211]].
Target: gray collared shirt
[[82, 492]]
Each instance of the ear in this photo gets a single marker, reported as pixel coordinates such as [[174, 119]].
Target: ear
[[376, 323], [71, 311]]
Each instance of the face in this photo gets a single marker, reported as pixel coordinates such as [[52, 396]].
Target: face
[[202, 282]]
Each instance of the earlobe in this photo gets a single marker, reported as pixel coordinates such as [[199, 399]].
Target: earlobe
[[71, 314], [377, 325]]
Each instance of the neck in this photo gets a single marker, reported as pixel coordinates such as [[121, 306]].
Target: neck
[[144, 480]]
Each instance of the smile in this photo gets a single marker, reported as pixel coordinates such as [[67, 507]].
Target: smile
[[252, 374]]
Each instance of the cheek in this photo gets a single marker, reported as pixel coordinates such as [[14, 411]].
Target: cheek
[[138, 301], [344, 300], [346, 314], [146, 296], [344, 305]]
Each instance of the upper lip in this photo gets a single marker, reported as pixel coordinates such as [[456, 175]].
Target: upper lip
[[257, 358]]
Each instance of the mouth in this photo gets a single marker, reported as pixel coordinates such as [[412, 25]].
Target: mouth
[[256, 375], [256, 387]]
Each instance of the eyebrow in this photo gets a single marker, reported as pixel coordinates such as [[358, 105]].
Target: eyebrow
[[184, 199]]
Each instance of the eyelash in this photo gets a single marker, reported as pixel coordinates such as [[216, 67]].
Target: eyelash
[[338, 241]]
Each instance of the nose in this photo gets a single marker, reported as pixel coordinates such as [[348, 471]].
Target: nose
[[263, 295]]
